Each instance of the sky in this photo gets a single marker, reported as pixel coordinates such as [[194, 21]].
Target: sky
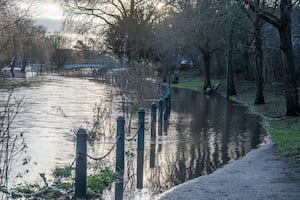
[[47, 13]]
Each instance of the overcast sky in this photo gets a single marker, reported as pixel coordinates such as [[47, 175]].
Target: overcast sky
[[48, 13]]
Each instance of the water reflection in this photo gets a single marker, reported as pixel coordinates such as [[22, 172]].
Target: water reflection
[[205, 132], [54, 108]]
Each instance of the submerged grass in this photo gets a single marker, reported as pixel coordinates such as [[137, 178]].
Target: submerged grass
[[193, 81], [195, 85], [285, 131]]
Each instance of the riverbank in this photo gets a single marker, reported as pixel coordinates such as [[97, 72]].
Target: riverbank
[[270, 172]]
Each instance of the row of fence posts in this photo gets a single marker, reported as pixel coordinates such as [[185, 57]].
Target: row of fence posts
[[164, 110]]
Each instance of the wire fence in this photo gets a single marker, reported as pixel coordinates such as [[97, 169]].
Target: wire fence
[[105, 155], [162, 107], [134, 137], [139, 136]]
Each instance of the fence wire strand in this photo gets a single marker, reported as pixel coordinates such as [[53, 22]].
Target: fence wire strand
[[102, 157], [135, 135], [148, 128], [163, 92]]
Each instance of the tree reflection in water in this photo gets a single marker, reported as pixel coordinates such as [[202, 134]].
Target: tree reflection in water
[[204, 133]]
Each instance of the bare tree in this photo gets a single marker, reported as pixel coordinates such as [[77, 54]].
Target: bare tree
[[258, 23], [11, 144], [34, 45], [21, 41], [166, 45], [125, 24], [204, 28], [283, 25], [59, 54]]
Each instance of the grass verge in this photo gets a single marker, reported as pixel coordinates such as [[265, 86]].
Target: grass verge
[[286, 134]]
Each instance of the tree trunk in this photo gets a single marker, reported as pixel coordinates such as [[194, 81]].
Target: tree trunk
[[291, 93], [12, 67], [220, 72], [207, 82], [230, 79], [23, 65], [246, 63], [283, 24], [165, 72], [259, 99]]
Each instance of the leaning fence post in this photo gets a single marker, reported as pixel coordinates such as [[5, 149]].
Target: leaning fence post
[[160, 120], [81, 164], [120, 157], [140, 148], [153, 120]]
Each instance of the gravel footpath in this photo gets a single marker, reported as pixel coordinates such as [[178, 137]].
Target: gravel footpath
[[263, 174]]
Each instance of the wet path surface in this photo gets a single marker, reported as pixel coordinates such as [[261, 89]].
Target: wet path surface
[[263, 174]]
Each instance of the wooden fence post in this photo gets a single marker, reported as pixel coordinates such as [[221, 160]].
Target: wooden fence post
[[81, 164], [120, 158], [140, 148]]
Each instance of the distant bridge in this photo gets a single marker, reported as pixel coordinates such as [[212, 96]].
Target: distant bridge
[[81, 66], [103, 61]]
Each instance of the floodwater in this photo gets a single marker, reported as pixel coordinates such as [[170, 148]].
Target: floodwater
[[54, 108], [203, 133]]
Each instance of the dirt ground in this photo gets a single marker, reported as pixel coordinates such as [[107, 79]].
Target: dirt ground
[[263, 174]]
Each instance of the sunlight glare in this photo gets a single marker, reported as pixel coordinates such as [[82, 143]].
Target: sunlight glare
[[160, 5]]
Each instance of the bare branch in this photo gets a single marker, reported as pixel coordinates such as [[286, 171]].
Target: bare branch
[[269, 17]]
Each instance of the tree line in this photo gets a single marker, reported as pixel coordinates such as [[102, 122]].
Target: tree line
[[20, 39], [256, 40], [23, 42]]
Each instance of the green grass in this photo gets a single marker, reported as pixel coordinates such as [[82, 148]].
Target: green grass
[[196, 85], [286, 135]]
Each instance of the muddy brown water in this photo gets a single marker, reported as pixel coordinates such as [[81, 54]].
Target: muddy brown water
[[204, 132]]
